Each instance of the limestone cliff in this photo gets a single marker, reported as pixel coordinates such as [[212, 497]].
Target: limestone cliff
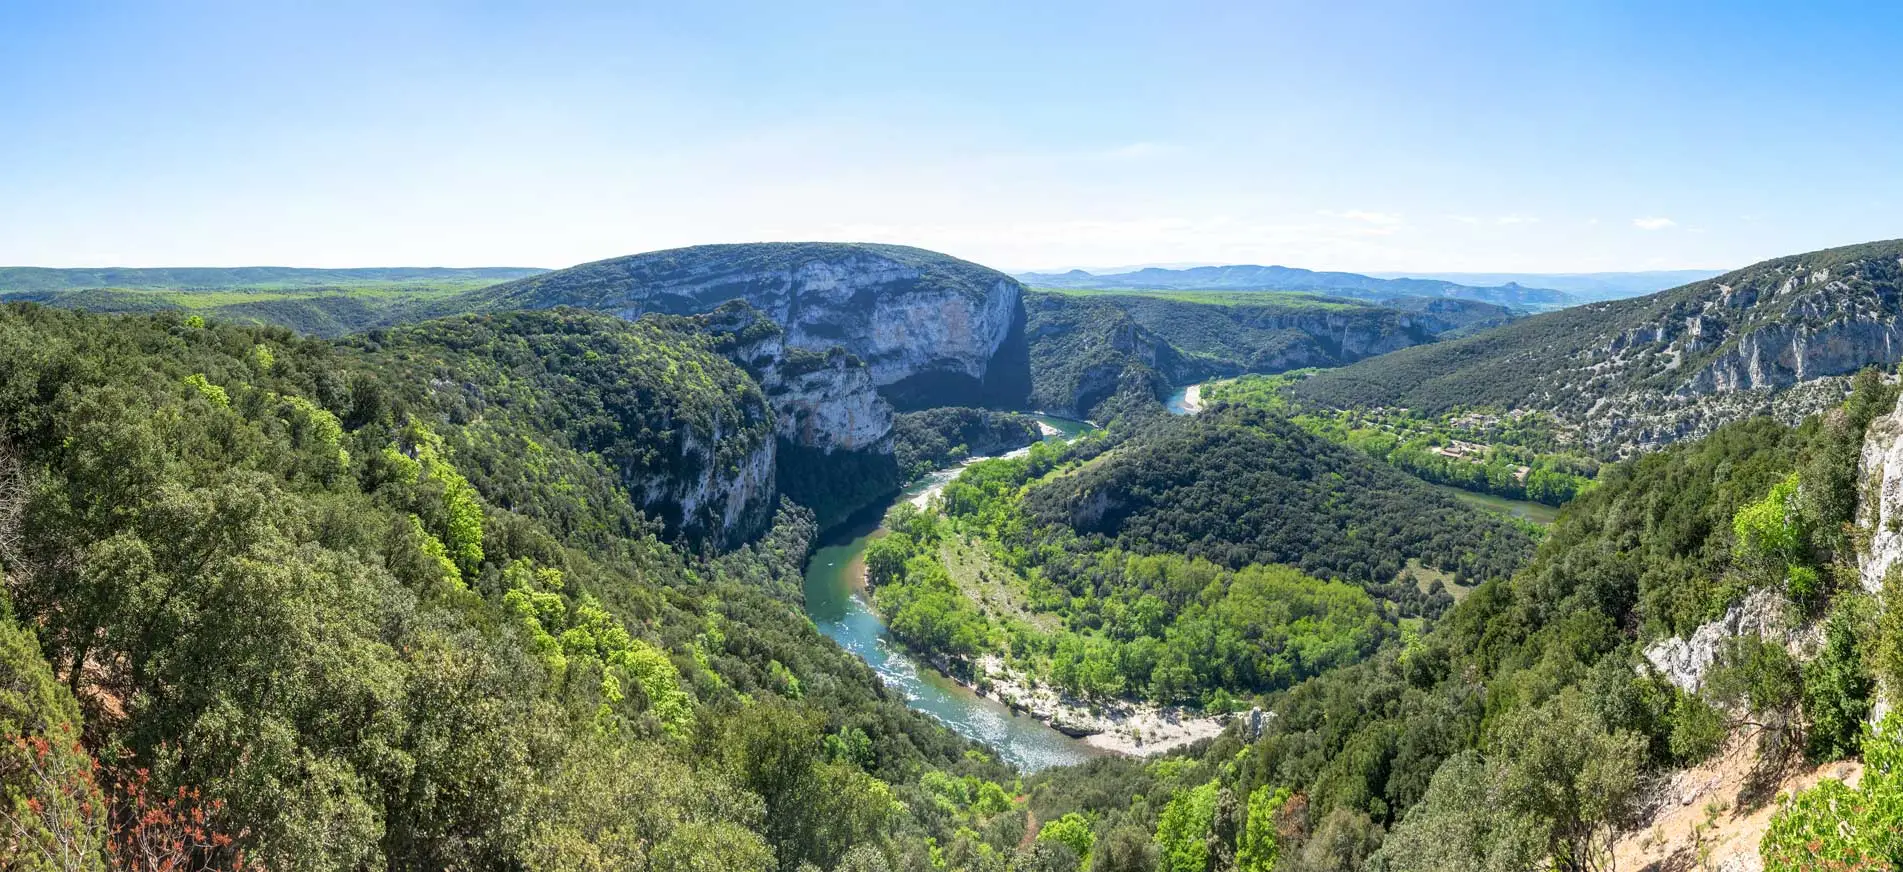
[[1777, 338], [824, 400], [1880, 510], [916, 328]]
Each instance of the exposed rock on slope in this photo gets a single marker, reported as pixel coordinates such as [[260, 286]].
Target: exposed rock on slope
[[1083, 349], [683, 431], [1880, 512], [927, 327], [1773, 338], [1684, 661], [820, 399]]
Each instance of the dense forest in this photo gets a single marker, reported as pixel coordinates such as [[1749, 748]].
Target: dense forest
[[1089, 347], [1198, 561], [1517, 456], [317, 606], [520, 590], [936, 438], [1237, 486], [1519, 733]]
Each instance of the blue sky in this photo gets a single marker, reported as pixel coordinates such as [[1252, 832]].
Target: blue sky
[[1528, 136]]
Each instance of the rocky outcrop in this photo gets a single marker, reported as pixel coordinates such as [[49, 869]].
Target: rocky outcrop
[[823, 400], [725, 501], [1880, 511], [828, 400], [918, 327], [1777, 338], [1684, 661]]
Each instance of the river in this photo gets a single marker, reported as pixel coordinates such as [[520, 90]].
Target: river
[[835, 600], [1539, 513], [1187, 400]]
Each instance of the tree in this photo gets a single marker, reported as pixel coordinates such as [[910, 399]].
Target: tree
[[1559, 766], [1835, 828], [1046, 856], [1073, 830], [1837, 689], [52, 816], [1462, 825], [1125, 848], [1182, 831], [1261, 844]]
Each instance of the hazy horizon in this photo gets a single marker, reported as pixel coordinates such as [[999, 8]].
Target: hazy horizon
[[1388, 137]]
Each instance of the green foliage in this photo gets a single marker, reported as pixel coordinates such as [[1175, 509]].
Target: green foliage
[[1182, 831], [1769, 534], [1239, 486], [52, 816], [461, 509], [936, 438], [1261, 846], [212, 393], [1463, 825], [1074, 831], [1698, 729], [359, 615], [1513, 456], [1837, 685], [585, 422], [1161, 626], [1835, 827], [834, 485]]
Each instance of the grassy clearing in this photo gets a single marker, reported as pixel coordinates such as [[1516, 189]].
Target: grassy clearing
[[1425, 576], [993, 587]]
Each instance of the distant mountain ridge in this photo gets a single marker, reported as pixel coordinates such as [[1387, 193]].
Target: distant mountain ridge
[[1780, 338], [1586, 287], [1283, 278], [35, 279]]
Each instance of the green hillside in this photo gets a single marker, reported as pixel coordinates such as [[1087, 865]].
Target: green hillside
[[348, 620], [1089, 346], [1645, 370]]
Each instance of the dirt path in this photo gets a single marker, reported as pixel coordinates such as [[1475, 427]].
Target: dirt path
[[1706, 818], [1030, 828]]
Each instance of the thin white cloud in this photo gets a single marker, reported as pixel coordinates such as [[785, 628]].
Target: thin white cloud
[[1653, 223], [1517, 219], [1137, 150], [1383, 219]]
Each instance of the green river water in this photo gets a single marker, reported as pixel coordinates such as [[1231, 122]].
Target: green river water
[[835, 600]]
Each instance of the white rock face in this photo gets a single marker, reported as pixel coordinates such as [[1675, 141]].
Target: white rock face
[[1880, 511], [880, 310], [834, 407], [730, 501], [903, 312], [1880, 515], [824, 401], [1780, 338], [1684, 662]]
